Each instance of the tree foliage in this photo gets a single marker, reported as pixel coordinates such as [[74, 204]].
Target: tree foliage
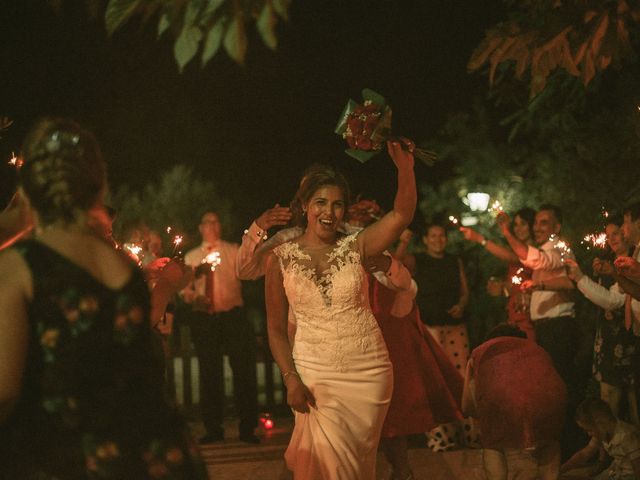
[[541, 36], [203, 26], [177, 199]]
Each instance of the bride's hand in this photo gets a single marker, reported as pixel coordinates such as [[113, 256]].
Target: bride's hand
[[401, 157], [299, 397]]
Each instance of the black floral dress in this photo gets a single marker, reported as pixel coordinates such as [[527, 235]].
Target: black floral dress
[[615, 349], [92, 403]]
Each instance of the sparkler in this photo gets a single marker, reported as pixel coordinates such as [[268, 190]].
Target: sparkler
[[15, 161], [517, 279], [213, 259], [496, 208], [177, 240], [596, 240], [561, 245], [135, 250]]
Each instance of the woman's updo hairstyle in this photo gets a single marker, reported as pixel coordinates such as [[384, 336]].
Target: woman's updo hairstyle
[[63, 171], [315, 177]]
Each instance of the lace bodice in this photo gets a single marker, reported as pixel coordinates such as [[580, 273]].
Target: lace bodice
[[327, 291]]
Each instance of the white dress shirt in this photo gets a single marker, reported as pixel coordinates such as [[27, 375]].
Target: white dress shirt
[[546, 263], [227, 288]]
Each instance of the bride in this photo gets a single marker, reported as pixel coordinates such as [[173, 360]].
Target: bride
[[338, 374]]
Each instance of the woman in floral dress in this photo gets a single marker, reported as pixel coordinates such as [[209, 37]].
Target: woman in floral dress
[[81, 385]]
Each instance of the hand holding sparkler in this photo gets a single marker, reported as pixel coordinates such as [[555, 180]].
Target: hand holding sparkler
[[573, 269], [504, 222], [471, 235], [628, 267]]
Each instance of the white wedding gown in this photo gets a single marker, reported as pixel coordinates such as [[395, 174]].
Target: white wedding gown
[[341, 356]]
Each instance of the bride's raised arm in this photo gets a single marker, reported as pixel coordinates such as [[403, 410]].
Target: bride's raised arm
[[379, 236]]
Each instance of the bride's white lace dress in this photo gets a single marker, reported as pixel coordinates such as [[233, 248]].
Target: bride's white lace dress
[[341, 356]]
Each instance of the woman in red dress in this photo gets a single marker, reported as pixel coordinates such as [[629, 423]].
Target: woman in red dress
[[518, 399]]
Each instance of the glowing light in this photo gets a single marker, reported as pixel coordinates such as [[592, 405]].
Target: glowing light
[[177, 240], [213, 259], [496, 208], [517, 279], [268, 424], [561, 245], [454, 220], [169, 230], [596, 240], [133, 248], [15, 161], [478, 201]]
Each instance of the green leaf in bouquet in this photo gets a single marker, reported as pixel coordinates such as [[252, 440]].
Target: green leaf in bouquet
[[361, 155], [342, 121], [374, 97]]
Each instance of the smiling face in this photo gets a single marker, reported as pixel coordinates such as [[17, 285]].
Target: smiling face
[[615, 239], [435, 240], [325, 212], [521, 229], [546, 225]]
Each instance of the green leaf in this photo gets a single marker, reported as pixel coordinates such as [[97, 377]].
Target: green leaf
[[209, 10], [282, 8], [235, 40], [186, 45], [375, 97], [118, 12], [266, 24], [163, 24], [213, 40], [360, 155]]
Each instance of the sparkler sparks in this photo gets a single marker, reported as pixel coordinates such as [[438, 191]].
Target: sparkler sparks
[[565, 249], [596, 240], [15, 160], [496, 208], [212, 259], [517, 279]]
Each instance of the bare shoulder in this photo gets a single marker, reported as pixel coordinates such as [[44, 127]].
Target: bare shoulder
[[15, 275]]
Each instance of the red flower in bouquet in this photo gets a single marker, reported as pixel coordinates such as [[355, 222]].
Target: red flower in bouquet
[[367, 126]]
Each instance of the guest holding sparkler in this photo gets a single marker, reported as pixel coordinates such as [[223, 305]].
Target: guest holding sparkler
[[219, 325], [552, 306], [518, 304], [615, 353], [80, 390]]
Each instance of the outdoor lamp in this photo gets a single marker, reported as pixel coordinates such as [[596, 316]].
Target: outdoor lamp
[[478, 201]]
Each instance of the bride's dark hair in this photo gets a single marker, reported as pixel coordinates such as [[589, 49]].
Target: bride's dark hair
[[315, 177], [63, 171]]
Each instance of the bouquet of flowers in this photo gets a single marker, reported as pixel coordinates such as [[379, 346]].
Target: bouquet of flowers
[[367, 126]]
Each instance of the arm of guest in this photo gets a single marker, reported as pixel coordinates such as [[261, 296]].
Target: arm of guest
[[249, 263], [16, 289], [581, 457], [254, 250], [628, 286], [607, 298]]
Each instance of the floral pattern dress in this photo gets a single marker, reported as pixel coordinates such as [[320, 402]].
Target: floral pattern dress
[[92, 403]]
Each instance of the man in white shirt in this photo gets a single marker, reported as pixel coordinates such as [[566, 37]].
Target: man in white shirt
[[219, 325], [552, 306]]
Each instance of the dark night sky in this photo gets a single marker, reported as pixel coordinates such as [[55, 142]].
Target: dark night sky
[[254, 128]]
